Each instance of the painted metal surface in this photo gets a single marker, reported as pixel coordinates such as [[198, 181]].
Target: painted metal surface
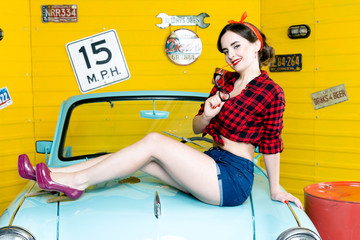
[[334, 207], [183, 47], [272, 217], [59, 13], [121, 209], [189, 20]]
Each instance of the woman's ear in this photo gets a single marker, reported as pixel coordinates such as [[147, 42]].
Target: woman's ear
[[258, 45]]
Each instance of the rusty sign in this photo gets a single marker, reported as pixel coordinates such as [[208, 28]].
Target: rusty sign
[[59, 13], [329, 96], [182, 20]]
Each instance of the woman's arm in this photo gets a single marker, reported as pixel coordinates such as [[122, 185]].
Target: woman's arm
[[272, 163], [200, 122]]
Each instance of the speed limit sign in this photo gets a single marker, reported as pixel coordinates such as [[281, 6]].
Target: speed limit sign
[[98, 61]]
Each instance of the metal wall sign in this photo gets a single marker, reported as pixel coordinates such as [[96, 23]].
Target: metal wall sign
[[5, 99], [98, 61], [183, 47], [59, 13], [329, 96], [287, 63], [182, 20]]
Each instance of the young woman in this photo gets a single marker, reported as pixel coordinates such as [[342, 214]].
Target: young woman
[[243, 111]]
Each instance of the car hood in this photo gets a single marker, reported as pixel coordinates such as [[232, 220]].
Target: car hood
[[124, 209]]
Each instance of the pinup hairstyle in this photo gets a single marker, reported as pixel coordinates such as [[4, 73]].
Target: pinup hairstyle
[[266, 55]]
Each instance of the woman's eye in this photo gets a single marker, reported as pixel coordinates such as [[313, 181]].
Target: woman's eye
[[237, 46]]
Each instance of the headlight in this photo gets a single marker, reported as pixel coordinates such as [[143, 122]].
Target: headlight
[[15, 233], [298, 234]]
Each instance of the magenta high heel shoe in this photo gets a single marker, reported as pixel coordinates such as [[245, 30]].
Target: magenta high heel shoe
[[45, 182], [25, 168]]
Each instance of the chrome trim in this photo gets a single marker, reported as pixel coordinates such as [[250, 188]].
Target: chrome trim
[[157, 205], [293, 213], [298, 233], [21, 202], [14, 230]]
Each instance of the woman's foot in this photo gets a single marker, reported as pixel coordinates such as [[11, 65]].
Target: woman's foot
[[45, 182], [26, 170]]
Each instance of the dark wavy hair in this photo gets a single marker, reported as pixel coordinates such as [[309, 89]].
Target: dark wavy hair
[[266, 56]]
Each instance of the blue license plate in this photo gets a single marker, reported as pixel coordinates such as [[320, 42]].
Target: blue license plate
[[287, 63]]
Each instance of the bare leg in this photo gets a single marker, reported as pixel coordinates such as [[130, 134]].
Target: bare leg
[[80, 166], [157, 171], [152, 168], [192, 171]]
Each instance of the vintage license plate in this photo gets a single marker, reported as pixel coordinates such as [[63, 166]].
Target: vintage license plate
[[5, 99], [59, 13], [287, 63]]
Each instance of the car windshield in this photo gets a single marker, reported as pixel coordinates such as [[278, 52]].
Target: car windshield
[[94, 128]]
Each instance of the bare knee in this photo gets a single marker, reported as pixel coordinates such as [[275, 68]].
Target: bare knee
[[153, 139]]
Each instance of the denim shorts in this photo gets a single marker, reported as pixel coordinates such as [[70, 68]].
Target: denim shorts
[[235, 174]]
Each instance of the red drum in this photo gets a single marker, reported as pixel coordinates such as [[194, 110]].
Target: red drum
[[334, 208]]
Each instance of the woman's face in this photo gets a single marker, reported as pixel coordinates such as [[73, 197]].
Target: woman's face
[[239, 52]]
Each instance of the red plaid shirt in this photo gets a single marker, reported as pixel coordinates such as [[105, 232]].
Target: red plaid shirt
[[254, 116]]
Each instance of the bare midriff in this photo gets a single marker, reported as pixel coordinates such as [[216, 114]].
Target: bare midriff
[[245, 150]]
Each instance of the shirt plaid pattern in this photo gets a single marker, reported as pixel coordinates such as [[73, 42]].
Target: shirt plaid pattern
[[254, 116]]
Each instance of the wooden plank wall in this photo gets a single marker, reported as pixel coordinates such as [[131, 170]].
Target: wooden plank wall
[[320, 145], [16, 120]]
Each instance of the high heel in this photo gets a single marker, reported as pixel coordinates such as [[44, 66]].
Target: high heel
[[25, 168], [45, 182]]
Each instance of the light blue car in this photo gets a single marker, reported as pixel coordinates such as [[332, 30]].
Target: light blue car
[[139, 207]]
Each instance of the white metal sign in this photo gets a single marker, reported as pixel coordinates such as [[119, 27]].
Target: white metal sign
[[329, 96], [98, 61], [5, 99], [183, 47]]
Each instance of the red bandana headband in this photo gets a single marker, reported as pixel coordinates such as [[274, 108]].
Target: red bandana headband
[[253, 29]]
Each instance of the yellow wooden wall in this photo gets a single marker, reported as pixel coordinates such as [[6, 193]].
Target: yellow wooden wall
[[36, 69], [16, 120], [320, 145]]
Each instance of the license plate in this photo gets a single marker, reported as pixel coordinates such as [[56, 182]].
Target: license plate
[[5, 99], [59, 13], [287, 63]]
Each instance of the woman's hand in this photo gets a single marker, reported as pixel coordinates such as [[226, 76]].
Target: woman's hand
[[213, 106], [287, 197]]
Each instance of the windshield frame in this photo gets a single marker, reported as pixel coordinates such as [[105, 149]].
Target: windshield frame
[[199, 99]]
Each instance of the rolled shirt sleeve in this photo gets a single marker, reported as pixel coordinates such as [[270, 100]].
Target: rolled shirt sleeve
[[271, 142]]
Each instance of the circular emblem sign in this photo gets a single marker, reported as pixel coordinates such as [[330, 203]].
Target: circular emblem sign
[[183, 47]]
